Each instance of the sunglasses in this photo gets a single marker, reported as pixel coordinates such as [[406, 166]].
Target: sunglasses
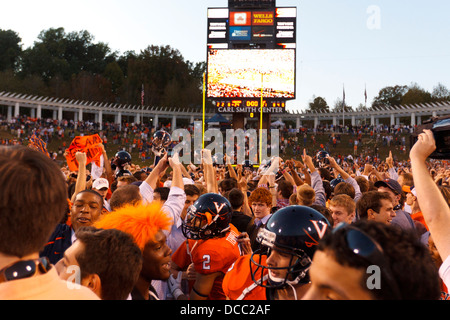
[[364, 246]]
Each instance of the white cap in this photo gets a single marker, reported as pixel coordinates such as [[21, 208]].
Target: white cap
[[100, 183], [186, 181]]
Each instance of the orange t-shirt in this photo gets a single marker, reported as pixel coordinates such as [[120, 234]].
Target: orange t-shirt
[[418, 216]]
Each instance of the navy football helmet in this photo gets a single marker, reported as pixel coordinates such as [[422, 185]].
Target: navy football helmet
[[335, 182], [122, 158], [321, 158], [209, 217], [292, 230]]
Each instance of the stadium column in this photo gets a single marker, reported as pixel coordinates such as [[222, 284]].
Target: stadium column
[[174, 122], [316, 122], [33, 113], [100, 119], [299, 123], [80, 115], [9, 115], [392, 119], [155, 121], [39, 111], [75, 120], [137, 118], [372, 120], [119, 120], [16, 110], [60, 113], [413, 119], [334, 121], [353, 121]]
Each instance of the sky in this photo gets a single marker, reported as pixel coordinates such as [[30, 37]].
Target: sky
[[351, 45]]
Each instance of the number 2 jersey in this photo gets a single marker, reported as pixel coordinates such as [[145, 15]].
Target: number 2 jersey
[[210, 256]]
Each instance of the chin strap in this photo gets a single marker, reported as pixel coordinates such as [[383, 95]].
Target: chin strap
[[251, 287]]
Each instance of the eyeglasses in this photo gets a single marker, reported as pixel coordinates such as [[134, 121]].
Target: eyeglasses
[[362, 245]]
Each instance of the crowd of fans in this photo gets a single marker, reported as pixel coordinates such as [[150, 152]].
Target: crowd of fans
[[314, 226]]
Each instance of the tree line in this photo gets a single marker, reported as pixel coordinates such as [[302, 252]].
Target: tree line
[[388, 96], [72, 65]]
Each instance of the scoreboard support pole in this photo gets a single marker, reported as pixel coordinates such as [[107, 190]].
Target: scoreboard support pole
[[261, 119], [204, 111]]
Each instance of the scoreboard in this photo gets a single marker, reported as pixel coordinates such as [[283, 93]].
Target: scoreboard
[[251, 48], [252, 28]]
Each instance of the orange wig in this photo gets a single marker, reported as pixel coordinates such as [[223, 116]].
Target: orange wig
[[141, 221]]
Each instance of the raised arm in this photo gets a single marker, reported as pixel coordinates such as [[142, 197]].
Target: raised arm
[[209, 172], [316, 180], [347, 178], [433, 205], [292, 166], [80, 185], [107, 163], [177, 175], [153, 177]]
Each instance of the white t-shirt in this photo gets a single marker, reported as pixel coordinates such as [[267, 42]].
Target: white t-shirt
[[444, 272]]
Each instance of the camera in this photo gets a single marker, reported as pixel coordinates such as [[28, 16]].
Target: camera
[[440, 126]]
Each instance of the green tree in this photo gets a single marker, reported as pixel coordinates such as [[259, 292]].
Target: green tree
[[338, 106], [115, 75], [10, 50], [440, 93], [47, 57], [390, 96], [416, 94], [66, 54], [168, 79], [319, 104]]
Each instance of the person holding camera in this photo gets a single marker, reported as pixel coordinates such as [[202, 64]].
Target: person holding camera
[[435, 209]]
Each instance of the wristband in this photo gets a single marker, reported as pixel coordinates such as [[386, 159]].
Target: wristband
[[199, 294], [177, 293]]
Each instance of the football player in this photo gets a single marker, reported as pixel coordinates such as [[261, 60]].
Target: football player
[[279, 270], [211, 246]]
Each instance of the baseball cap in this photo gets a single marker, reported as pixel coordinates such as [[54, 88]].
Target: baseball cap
[[186, 181], [406, 189], [391, 184], [100, 183]]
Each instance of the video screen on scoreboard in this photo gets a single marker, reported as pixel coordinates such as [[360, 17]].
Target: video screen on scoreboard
[[236, 73]]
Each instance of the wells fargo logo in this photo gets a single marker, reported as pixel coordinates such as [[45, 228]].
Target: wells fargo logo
[[263, 18]]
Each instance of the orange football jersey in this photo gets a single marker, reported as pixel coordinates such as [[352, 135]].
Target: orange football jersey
[[210, 256], [238, 283]]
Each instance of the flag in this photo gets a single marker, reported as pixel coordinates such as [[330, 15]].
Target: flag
[[343, 97], [142, 95], [365, 94], [38, 144]]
